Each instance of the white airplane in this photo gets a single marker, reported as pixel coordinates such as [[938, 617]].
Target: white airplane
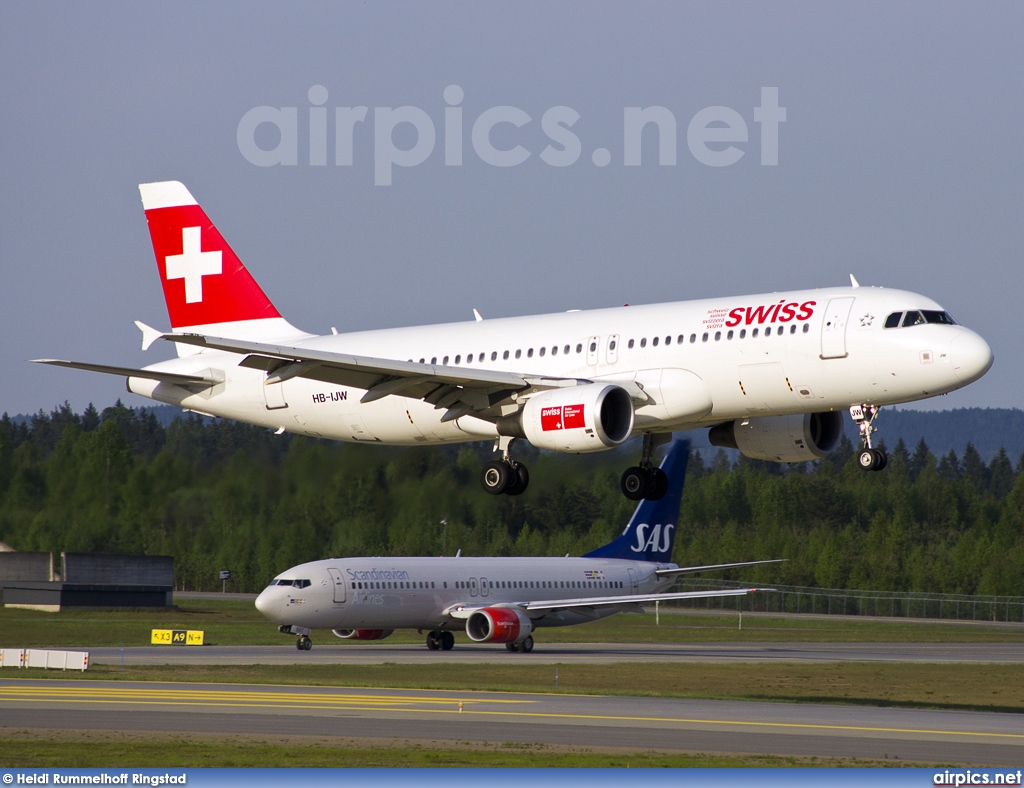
[[497, 600], [769, 374]]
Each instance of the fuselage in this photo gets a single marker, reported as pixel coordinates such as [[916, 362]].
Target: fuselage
[[419, 593], [702, 363]]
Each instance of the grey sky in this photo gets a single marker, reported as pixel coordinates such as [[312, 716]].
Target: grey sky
[[900, 161]]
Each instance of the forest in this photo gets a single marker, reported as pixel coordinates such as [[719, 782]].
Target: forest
[[216, 494]]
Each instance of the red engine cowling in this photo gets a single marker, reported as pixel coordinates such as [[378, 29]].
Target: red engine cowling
[[498, 625], [576, 419], [362, 634]]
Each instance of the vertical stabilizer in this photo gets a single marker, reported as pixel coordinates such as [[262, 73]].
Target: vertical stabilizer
[[206, 287], [652, 529]]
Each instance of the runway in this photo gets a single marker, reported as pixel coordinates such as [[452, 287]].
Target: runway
[[562, 653], [946, 737]]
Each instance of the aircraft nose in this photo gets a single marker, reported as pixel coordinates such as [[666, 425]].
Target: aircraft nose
[[263, 602], [971, 356]]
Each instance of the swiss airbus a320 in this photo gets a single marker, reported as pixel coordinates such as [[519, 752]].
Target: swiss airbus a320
[[494, 600], [768, 374]]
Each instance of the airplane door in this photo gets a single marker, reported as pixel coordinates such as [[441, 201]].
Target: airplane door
[[339, 585], [833, 327], [633, 583], [484, 590], [592, 345]]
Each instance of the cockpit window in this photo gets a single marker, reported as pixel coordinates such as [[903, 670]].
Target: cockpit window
[[293, 583], [913, 319], [893, 321], [935, 316]]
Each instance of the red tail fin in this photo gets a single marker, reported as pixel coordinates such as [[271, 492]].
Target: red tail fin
[[204, 281]]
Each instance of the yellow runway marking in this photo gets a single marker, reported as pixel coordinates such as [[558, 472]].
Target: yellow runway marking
[[326, 701]]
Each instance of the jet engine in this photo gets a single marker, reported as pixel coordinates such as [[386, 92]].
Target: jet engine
[[498, 625], [797, 438], [362, 634], [576, 419]]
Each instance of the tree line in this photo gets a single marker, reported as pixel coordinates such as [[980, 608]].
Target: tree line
[[217, 494]]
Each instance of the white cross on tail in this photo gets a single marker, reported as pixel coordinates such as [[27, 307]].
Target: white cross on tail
[[193, 264]]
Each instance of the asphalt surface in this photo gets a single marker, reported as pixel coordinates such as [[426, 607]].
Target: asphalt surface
[[555, 653], [940, 737]]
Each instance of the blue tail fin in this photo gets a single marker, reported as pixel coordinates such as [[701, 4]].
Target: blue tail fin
[[652, 529]]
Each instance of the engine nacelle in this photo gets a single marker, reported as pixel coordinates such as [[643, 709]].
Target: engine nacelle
[[592, 417], [362, 634], [797, 438], [498, 625]]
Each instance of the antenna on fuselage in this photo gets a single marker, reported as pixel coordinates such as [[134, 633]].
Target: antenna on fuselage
[[853, 281]]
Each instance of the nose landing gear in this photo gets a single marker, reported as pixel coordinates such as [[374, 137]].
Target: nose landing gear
[[869, 458]]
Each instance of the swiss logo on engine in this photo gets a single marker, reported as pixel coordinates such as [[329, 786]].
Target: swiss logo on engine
[[567, 417]]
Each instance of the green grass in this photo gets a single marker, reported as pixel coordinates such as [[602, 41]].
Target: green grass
[[977, 687], [95, 749], [234, 622]]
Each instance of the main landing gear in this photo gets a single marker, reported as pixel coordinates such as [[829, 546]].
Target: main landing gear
[[870, 459], [644, 480], [522, 648], [303, 643], [440, 641], [504, 476]]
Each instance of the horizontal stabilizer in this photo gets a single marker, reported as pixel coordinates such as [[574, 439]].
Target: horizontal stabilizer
[[129, 372]]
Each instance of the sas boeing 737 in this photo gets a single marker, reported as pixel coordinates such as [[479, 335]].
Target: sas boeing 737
[[769, 374], [496, 600]]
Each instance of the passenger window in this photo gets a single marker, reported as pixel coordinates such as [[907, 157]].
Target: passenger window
[[433, 360], [611, 345], [481, 357], [554, 350], [469, 358], [543, 350], [630, 344], [807, 327], [529, 353], [458, 359], [705, 337], [519, 354], [693, 338], [792, 329], [681, 339], [422, 361], [654, 341], [593, 347], [729, 335], [768, 331], [893, 321], [743, 333], [718, 336], [494, 355], [643, 342], [505, 355], [579, 348], [566, 350], [445, 360]]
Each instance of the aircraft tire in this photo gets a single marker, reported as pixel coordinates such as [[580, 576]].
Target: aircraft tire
[[519, 480], [303, 643], [447, 641], [659, 486], [867, 459], [512, 647], [527, 645], [434, 641], [634, 483], [495, 477]]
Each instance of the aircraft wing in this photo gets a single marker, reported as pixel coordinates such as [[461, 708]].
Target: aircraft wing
[[632, 599], [465, 611], [682, 570], [461, 390], [129, 372]]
